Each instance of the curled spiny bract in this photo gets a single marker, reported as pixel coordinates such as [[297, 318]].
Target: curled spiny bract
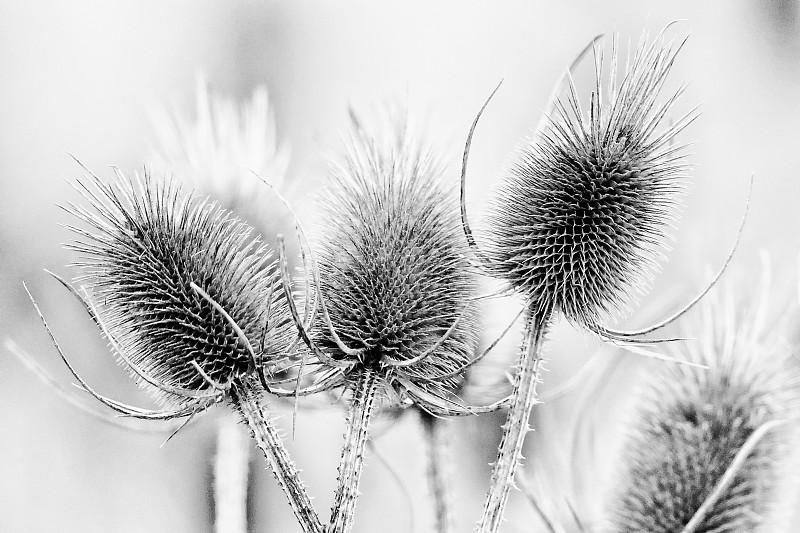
[[583, 211], [147, 242], [695, 424], [393, 265]]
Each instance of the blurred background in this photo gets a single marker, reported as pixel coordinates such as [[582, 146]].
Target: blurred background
[[85, 78]]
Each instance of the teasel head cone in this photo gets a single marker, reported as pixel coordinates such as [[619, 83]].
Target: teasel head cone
[[741, 413], [583, 212], [393, 265], [144, 242]]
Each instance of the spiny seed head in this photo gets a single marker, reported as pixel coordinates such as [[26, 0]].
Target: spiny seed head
[[583, 211], [147, 242], [394, 269], [694, 421]]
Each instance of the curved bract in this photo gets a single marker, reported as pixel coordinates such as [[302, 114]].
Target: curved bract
[[171, 279], [583, 211], [393, 268]]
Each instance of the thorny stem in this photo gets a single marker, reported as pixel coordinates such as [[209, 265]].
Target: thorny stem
[[352, 461], [437, 442], [263, 430], [516, 426]]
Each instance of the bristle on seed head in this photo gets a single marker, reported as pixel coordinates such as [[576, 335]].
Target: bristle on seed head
[[147, 241], [584, 211], [394, 267], [693, 424]]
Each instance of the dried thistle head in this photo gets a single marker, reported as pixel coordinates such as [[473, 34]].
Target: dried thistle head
[[394, 270], [583, 212], [738, 417], [147, 243]]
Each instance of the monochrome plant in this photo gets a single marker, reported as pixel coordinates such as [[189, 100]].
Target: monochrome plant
[[215, 148], [191, 302], [580, 219], [395, 289], [387, 316]]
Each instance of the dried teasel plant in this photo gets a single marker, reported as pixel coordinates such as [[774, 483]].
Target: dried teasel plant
[[191, 302], [715, 447], [394, 288], [581, 218], [216, 147]]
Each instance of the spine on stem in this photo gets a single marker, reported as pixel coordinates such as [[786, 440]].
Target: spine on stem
[[516, 426], [352, 461], [438, 447], [269, 441]]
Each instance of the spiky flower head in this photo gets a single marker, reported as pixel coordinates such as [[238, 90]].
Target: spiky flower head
[[147, 243], [394, 268], [737, 418], [583, 211]]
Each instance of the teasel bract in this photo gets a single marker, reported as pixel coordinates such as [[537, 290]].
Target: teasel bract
[[580, 218], [396, 316], [714, 447], [191, 302]]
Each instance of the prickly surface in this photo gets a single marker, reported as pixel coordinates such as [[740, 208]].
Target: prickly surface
[[694, 421], [147, 240], [393, 262], [582, 213]]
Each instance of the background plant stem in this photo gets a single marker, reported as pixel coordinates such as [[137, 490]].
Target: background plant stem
[[437, 442], [231, 469], [516, 426]]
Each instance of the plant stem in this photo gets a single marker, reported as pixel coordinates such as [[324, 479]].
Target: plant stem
[[437, 442], [516, 426], [268, 439], [231, 463], [352, 461]]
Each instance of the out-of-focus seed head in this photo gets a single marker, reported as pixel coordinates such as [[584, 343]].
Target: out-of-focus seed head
[[583, 212], [146, 243], [693, 421], [394, 266], [216, 147]]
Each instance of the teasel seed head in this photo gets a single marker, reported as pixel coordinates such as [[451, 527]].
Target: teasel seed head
[[584, 210], [148, 241], [736, 420], [394, 268], [216, 147]]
